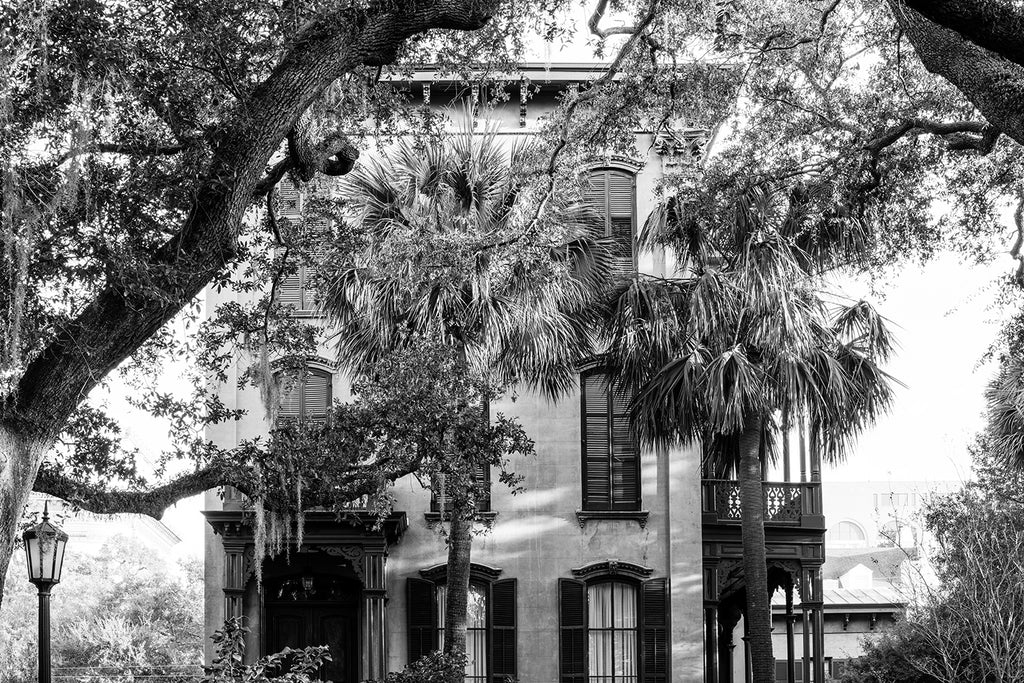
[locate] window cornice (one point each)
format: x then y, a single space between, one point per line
479 572
613 569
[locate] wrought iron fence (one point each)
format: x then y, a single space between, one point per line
184 673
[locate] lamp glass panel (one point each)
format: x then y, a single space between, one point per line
32 556
58 562
47 548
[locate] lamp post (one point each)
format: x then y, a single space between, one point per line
44 550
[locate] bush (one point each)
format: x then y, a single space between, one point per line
433 668
287 666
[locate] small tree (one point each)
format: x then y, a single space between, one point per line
968 624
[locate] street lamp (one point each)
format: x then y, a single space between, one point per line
44 550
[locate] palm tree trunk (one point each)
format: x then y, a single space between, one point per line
460 546
755 563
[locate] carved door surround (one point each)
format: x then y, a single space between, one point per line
352 545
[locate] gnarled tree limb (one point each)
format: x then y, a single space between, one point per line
993 83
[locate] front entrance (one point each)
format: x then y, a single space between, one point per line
306 608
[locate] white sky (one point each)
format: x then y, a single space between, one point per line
944 321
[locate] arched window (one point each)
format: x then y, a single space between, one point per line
306 398
611 463
613 627
491 617
613 193
847 534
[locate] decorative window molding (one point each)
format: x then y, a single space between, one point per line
485 518
613 569
619 162
477 572
681 149
638 516
313 362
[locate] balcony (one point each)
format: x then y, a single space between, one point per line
786 504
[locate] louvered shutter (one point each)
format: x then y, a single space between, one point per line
654 631
317 234
289 198
421 615
572 626
482 477
503 630
290 406
596 193
596 443
620 220
316 396
625 493
289 290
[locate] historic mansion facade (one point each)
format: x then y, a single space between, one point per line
616 564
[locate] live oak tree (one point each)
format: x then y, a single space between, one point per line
135 141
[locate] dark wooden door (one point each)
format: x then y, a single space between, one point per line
302 625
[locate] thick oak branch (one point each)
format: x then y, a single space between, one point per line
994 84
993 24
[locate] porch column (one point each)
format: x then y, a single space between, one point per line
373 628
818 614
790 644
711 641
806 628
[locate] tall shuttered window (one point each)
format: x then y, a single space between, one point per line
306 398
611 462
613 631
613 194
296 290
491 636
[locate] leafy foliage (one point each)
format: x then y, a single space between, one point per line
966 625
122 607
435 667
290 665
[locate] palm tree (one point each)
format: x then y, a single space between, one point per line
718 355
452 255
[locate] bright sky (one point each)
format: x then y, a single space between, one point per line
944 320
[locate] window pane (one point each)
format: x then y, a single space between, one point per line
476 634
612 633
600 598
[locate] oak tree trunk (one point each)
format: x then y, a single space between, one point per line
19 460
755 562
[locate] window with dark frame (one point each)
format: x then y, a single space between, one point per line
613 193
611 462
613 629
306 398
491 641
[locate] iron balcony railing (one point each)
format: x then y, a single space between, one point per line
785 503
